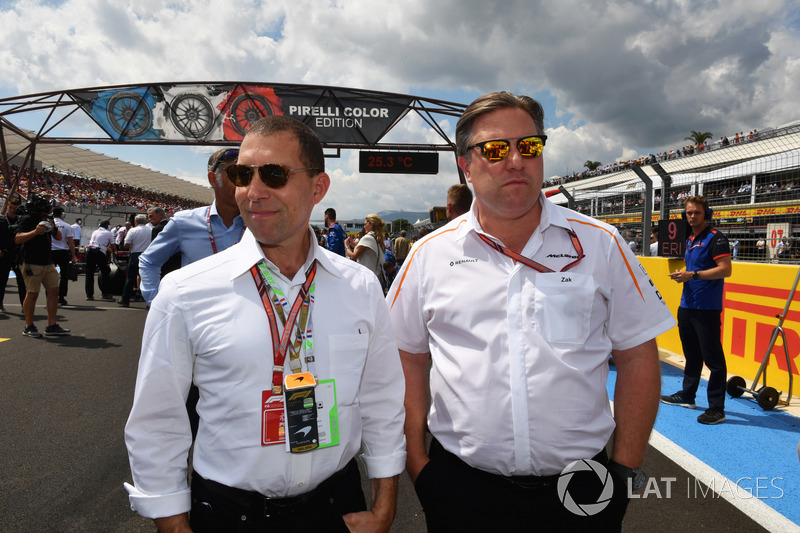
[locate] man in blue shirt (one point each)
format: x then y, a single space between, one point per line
708 263
196 233
336 235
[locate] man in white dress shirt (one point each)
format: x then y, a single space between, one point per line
269 456
518 303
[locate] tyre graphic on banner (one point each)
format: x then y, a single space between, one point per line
243 106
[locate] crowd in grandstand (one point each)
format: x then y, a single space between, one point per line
649 159
70 190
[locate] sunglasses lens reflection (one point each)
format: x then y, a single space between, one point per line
531 147
495 150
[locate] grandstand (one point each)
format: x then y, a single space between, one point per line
753 186
71 160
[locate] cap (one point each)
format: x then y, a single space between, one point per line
221 156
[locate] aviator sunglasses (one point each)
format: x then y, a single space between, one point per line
273 175
498 149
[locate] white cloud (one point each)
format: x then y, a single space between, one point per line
618 78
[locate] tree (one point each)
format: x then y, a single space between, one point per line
592 165
699 138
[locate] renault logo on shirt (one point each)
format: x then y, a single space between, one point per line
462 261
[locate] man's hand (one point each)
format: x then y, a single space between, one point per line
380 517
173 524
681 276
415 370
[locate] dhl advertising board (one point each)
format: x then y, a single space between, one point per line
754 294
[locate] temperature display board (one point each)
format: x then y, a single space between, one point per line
399 162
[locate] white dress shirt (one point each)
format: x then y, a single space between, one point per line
138 238
66 232
102 239
520 358
208 324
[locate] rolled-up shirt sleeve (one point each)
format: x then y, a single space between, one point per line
158 434
381 397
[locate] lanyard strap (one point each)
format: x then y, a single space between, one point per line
211 233
576 243
274 302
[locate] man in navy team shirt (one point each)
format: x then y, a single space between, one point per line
336 235
708 262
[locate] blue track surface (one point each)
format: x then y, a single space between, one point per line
752 443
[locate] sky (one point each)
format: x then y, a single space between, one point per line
617 79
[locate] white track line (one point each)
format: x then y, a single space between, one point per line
753 507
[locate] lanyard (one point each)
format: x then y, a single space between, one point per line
274 302
211 233
576 243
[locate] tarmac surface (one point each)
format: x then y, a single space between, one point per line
65 401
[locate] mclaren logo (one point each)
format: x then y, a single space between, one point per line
304 430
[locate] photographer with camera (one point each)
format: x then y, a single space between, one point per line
34 231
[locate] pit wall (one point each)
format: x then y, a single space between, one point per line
754 294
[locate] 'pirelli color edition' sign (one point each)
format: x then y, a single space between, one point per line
211 112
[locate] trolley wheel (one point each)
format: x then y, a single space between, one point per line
767 398
128 114
248 108
192 115
736 386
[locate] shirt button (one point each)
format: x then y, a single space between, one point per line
300 484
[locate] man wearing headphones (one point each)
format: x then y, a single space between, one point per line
708 263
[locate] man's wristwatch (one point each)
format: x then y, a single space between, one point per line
636 475
696 275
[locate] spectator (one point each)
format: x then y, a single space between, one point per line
400 247
196 233
136 242
370 251
336 235
8 251
459 199
100 244
63 252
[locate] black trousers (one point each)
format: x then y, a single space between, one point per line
130 280
97 259
457 497
699 330
7 264
217 508
61 260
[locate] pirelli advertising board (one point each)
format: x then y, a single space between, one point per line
224 112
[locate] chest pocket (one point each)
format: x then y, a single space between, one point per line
348 356
563 306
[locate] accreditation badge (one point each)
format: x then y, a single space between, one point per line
273 419
301 412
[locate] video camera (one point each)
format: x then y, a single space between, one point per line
36 205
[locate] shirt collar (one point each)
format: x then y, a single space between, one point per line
551 216
248 253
